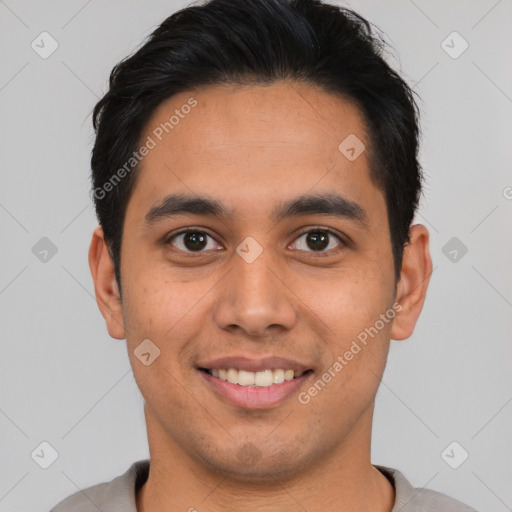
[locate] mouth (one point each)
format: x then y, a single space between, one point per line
260 379
258 385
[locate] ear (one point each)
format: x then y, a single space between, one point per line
413 283
105 285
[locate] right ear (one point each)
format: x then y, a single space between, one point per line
105 285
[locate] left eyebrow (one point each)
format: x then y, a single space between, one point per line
321 204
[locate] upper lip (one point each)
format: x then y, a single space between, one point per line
254 365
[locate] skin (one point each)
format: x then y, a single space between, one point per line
252 147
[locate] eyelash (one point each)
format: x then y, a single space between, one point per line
343 243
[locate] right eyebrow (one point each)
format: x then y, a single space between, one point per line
183 204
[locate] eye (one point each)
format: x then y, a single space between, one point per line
317 240
192 241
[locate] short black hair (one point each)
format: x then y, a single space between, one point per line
259 42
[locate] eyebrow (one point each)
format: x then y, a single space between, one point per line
320 204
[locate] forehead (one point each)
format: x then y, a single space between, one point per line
255 145
234 117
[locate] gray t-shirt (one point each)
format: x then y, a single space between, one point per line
119 494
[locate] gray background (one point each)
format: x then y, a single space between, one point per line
65 381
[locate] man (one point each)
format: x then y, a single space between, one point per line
255 177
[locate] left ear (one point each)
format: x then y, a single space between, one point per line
413 283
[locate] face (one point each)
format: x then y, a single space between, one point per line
274 254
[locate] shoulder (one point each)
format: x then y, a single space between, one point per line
411 499
113 496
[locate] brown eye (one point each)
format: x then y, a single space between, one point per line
192 241
317 240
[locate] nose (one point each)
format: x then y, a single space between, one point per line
255 298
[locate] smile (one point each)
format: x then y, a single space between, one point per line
264 378
254 390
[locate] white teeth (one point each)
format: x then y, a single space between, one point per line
278 376
232 376
262 379
245 378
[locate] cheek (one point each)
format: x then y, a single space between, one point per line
358 312
354 362
155 305
169 314
352 301
166 314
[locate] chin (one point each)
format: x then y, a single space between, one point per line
252 465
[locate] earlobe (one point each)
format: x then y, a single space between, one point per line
413 284
105 285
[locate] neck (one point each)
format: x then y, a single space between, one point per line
345 480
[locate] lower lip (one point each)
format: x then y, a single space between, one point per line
254 397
